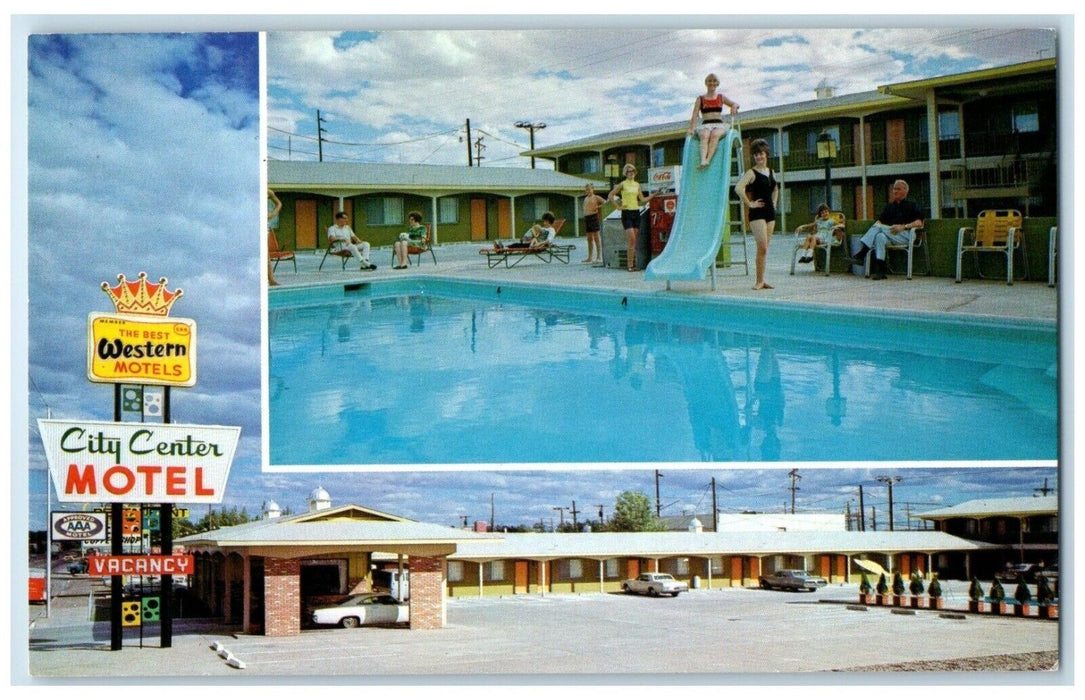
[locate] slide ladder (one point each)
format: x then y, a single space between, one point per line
703 213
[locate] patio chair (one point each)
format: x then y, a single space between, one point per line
838 217
1052 243
418 250
918 242
997 231
277 255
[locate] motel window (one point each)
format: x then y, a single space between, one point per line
384 211
532 208
611 570
455 571
590 164
949 126
448 210
658 158
495 571
576 569
323 577
681 567
717 565
1026 118
775 145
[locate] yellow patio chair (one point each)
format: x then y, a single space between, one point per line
838 218
997 231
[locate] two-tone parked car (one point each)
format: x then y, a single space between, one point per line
792 580
366 609
654 584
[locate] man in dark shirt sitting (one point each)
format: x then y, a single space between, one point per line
896 224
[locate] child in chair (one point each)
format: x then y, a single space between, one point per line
820 229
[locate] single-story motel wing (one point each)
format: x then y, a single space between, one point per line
266 576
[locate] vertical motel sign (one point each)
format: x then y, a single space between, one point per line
118 463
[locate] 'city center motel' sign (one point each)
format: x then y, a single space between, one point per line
108 462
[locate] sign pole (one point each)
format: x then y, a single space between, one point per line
165 525
116 621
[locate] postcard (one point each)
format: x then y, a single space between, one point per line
491 352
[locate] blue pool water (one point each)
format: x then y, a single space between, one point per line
446 372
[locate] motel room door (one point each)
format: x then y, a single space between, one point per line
479 228
520 577
504 219
305 224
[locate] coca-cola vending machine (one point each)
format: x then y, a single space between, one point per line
662 207
661 217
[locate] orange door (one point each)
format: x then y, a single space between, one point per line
894 141
519 583
504 218
305 224
478 220
860 212
632 568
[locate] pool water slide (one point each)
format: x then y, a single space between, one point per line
702 214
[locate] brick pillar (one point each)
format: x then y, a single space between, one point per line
282 597
427 593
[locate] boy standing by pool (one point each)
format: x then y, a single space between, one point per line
593 206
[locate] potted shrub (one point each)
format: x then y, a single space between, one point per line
1021 597
882 589
865 596
898 589
915 586
1045 599
998 598
975 596
934 592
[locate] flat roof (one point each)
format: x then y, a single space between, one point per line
990 507
354 178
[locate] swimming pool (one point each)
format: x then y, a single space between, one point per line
449 372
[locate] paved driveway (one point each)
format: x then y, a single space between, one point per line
702 632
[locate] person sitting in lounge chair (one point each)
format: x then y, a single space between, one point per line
538 236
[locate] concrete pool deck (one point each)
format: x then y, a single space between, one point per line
1032 300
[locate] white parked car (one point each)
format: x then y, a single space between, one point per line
654 584
367 609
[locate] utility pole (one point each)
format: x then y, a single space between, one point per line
889 481
862 511
491 512
715 508
600 506
561 514
531 127
574 511
847 516
1044 490
794 474
873 518
479 148
658 477
319 136
469 143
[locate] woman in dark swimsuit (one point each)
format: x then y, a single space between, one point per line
759 191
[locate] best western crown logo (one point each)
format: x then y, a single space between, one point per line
141 297
141 344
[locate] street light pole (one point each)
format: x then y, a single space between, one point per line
889 481
531 127
827 153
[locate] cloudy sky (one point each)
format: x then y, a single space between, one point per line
403 96
143 155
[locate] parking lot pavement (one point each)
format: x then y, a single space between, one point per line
702 632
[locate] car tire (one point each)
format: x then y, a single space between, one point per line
653 592
350 622
625 589
675 594
764 584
